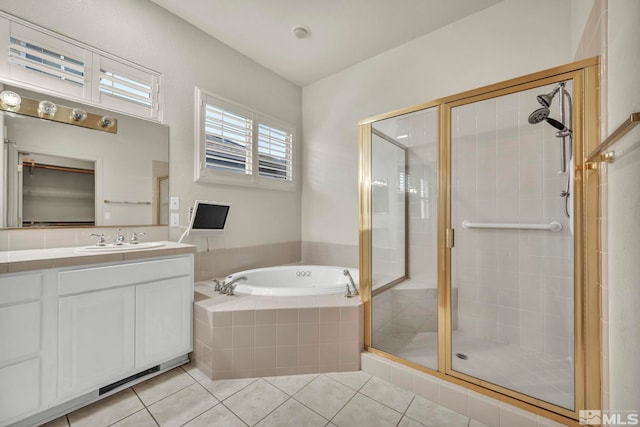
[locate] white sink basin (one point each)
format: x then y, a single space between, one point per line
117 248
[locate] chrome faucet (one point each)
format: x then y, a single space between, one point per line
101 241
227 287
216 286
134 239
353 285
119 241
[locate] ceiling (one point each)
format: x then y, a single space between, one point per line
342 32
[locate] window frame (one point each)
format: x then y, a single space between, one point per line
253 179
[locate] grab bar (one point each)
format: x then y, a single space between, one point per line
552 226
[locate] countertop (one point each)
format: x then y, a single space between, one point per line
38 259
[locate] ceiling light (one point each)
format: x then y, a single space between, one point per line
47 108
403 136
300 31
10 99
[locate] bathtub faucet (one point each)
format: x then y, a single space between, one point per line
353 285
227 287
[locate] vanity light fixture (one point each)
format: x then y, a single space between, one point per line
78 115
47 108
107 122
10 99
300 31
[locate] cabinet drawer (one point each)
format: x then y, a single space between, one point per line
19 331
91 279
16 288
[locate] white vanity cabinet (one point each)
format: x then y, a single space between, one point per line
95 339
20 344
68 335
116 320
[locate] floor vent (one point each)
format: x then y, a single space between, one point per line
108 388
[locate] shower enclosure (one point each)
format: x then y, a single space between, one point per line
474 248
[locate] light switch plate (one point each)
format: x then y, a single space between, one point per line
175 219
174 203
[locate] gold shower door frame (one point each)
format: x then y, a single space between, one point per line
585 77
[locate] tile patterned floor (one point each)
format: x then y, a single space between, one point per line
184 396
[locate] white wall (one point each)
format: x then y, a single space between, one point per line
147 34
624 204
501 42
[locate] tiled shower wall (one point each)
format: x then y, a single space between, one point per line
514 286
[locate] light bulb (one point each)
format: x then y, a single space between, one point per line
10 99
78 115
107 122
47 108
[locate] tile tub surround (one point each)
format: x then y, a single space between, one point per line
481 409
247 336
185 396
221 262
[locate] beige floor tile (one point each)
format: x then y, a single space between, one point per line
408 422
325 396
434 415
107 411
219 415
290 384
182 406
254 402
222 389
355 380
363 411
58 422
388 394
159 387
196 374
139 419
475 423
293 413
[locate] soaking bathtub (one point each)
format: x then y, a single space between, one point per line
284 320
294 280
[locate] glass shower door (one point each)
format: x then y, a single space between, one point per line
514 323
404 313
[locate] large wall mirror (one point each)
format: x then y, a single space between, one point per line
57 175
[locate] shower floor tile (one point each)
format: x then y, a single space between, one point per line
529 372
256 402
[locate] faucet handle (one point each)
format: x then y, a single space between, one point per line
134 239
100 236
119 238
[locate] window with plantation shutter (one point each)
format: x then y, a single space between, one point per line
239 146
53 63
274 152
38 59
227 138
127 88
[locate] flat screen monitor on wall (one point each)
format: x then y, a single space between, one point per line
207 218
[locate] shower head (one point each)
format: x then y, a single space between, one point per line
539 115
546 99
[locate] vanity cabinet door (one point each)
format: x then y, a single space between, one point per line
163 320
96 339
